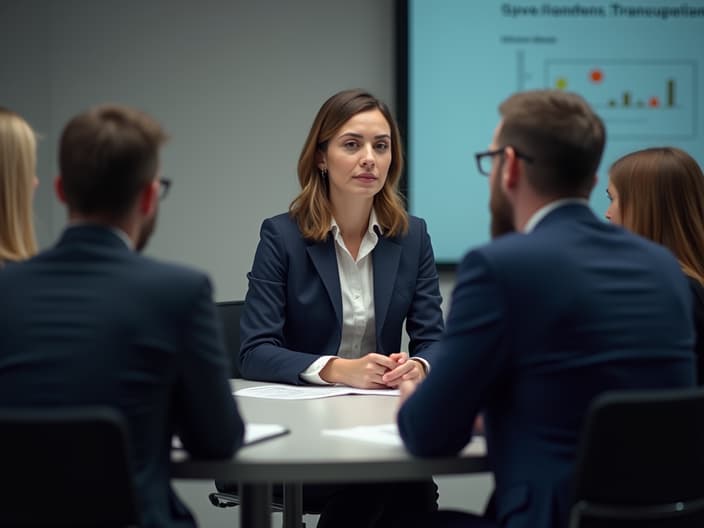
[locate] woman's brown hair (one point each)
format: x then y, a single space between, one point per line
312 208
661 197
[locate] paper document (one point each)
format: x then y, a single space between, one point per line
253 433
307 392
256 432
379 434
387 434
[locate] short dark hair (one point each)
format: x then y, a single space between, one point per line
561 132
106 156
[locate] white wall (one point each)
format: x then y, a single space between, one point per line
235 82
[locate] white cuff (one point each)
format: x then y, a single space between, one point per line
424 362
312 373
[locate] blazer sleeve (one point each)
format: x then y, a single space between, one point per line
439 416
263 355
208 421
424 322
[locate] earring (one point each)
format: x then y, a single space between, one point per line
323 173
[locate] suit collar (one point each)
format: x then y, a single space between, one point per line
385 261
573 210
93 234
544 211
323 256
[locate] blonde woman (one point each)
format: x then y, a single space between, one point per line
17 183
658 193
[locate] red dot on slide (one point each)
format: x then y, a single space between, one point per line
654 102
596 76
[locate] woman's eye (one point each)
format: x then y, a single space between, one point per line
350 144
382 147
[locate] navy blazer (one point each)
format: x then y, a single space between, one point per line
293 308
92 322
540 323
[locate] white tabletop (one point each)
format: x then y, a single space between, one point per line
306 455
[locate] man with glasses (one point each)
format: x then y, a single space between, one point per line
544 319
91 321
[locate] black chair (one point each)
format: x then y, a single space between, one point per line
641 462
227 494
66 467
230 312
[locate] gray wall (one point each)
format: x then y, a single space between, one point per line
236 83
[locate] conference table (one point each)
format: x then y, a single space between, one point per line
308 454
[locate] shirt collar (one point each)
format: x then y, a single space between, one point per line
549 208
372 228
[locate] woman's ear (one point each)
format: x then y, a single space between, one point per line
321 160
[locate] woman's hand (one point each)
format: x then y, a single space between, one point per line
406 369
366 372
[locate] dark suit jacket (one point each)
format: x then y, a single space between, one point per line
540 323
92 322
698 293
293 308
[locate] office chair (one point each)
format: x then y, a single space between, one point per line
641 461
227 494
66 467
229 313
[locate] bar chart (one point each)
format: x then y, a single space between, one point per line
636 98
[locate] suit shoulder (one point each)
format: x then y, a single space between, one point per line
416 224
416 229
283 223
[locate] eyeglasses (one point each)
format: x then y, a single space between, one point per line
485 159
164 186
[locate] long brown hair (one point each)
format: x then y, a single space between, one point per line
18 165
661 197
312 208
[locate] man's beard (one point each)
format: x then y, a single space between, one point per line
501 210
145 233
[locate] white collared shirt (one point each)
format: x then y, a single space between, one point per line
357 289
549 208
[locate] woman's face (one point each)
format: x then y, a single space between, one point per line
613 213
358 157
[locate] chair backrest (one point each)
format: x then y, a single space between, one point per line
641 461
230 312
66 467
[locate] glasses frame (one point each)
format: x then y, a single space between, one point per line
479 156
164 186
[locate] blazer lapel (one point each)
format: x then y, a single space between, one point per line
385 260
323 256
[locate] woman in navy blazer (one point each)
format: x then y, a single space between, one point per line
349 171
334 279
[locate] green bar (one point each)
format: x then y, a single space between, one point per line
626 99
670 93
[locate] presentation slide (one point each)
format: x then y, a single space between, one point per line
638 63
